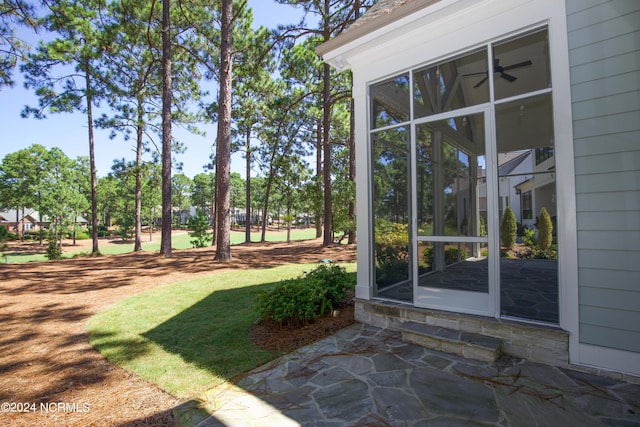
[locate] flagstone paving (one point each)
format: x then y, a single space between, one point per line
366 376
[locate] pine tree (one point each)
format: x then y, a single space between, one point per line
80 44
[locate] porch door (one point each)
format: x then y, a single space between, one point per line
452 260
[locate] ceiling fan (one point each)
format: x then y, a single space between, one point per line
497 68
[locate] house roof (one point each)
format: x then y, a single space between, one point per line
507 162
32 214
379 15
10 215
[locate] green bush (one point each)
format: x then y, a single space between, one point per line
199 225
82 235
391 252
545 230
391 271
451 255
537 253
54 251
392 243
529 236
334 279
305 298
508 229
125 232
103 231
5 235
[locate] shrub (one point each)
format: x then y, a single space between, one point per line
199 225
292 301
392 243
125 232
508 229
392 253
451 255
305 298
529 236
392 271
5 235
537 253
545 230
82 235
334 279
103 231
54 251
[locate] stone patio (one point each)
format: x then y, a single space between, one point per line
366 376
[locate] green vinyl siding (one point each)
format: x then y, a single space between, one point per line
627 182
613 85
624 142
613 104
604 55
622 162
608 240
619 339
608 259
602 278
607 201
625 221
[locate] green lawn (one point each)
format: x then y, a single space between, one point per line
178 241
192 336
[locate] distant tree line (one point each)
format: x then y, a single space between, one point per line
144 66
58 187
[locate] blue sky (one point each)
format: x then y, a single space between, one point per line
69 131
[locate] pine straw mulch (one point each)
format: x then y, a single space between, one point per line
45 356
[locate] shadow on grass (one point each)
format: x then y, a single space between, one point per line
191 340
185 340
213 334
118 349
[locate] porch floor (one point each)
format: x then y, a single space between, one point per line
529 286
365 375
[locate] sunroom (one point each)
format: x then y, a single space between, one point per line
470 111
461 114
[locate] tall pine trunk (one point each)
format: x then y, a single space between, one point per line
326 140
267 194
165 244
138 214
92 161
223 148
247 219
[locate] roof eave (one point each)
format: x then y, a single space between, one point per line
376 23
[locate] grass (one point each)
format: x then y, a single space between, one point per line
192 336
178 241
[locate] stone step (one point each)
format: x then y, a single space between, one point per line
465 344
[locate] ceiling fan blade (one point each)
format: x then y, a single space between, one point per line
508 77
480 82
518 65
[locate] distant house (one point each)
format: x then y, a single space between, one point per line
444 91
15 221
514 168
28 220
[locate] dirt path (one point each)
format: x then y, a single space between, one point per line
47 367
